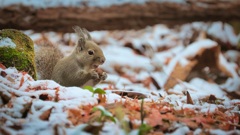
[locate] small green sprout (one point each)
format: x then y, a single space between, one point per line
94 91
105 114
144 128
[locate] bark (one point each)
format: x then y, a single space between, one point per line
127 16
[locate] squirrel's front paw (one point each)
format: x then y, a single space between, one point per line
94 75
103 76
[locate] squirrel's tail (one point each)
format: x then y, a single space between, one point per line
46 57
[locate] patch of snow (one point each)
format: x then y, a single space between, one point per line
30 92
97 36
193 48
222 132
124 57
112 97
197 131
111 128
7 42
188 52
199 88
180 131
232 83
224 32
162 57
232 55
118 81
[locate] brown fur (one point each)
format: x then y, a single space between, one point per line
80 67
46 58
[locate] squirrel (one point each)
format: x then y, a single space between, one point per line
80 68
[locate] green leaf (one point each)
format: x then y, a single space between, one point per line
103 110
105 113
100 91
113 119
90 88
144 129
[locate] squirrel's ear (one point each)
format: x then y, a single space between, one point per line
85 31
78 31
81 43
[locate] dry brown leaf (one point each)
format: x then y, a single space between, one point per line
93 129
59 130
189 99
45 97
9 78
179 72
2 66
147 82
154 118
57 94
212 99
130 94
5 98
190 123
46 114
75 116
102 98
21 82
3 74
26 109
204 58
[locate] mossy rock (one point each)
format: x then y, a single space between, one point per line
17 50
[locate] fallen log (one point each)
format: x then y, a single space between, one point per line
125 16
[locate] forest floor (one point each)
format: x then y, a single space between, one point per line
182 80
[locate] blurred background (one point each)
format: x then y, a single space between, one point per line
61 15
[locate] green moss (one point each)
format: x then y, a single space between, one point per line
21 57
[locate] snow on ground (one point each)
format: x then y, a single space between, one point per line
219 30
133 60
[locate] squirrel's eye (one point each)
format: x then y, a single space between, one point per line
90 52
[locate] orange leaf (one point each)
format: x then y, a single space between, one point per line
154 118
57 94
21 82
46 114
2 66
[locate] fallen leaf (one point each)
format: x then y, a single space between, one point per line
130 94
212 99
102 98
189 99
46 114
2 66
3 74
57 94
12 80
26 109
21 82
4 97
154 118
75 116
93 128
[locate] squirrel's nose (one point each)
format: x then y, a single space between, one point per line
102 60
